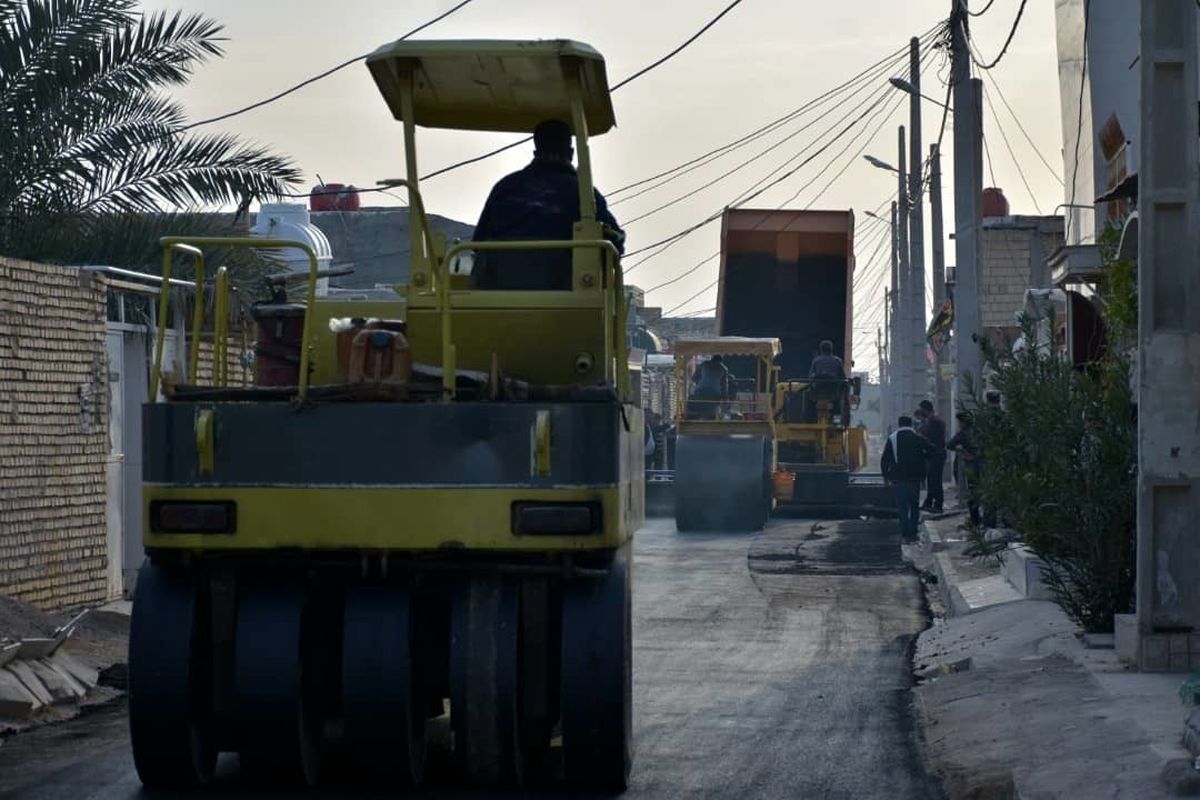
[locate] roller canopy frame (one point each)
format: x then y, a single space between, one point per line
493 85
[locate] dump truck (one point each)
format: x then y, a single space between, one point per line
789 274
423 506
725 450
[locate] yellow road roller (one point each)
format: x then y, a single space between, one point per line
422 506
725 450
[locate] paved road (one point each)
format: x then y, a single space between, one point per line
768 666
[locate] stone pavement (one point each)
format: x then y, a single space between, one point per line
1014 702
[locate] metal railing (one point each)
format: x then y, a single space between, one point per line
191 245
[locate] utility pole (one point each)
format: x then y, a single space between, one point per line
885 368
941 387
904 348
968 191
881 351
1168 570
895 351
916 237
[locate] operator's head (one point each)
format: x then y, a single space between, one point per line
552 141
993 397
826 347
716 359
906 421
926 407
964 419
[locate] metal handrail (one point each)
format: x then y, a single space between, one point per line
221 328
191 245
442 286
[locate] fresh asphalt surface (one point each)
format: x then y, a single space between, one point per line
765 666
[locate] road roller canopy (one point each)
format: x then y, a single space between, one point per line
728 346
493 85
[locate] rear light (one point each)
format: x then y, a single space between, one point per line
556 519
171 516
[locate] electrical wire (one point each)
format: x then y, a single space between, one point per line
887 63
1083 67
678 49
1025 132
1012 32
684 274
983 10
658 63
987 151
758 188
315 78
752 159
1004 136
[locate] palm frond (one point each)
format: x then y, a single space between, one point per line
187 171
44 38
90 149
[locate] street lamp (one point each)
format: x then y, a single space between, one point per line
875 162
908 88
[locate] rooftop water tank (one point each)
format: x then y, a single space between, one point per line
291 221
333 197
995 204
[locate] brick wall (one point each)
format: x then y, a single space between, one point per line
53 435
1006 270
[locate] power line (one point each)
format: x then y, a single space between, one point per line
983 10
626 81
758 188
1083 67
754 158
1012 32
684 274
680 48
1004 136
988 152
315 78
1028 138
885 63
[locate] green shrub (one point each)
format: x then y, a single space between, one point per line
1059 462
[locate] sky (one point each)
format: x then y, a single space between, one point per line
762 60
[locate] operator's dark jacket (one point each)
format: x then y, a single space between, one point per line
830 367
540 202
905 456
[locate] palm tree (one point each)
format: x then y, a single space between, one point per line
93 151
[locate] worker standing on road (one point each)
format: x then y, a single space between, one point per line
963 444
904 466
933 428
537 203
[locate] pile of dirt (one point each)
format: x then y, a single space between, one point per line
22 621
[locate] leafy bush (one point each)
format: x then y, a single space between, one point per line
1059 461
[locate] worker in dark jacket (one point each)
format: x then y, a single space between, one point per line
904 465
537 203
711 385
933 428
964 446
826 365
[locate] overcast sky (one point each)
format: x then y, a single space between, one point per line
762 60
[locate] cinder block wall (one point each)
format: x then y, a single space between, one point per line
53 434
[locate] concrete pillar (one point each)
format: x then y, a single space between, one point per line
1168 541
